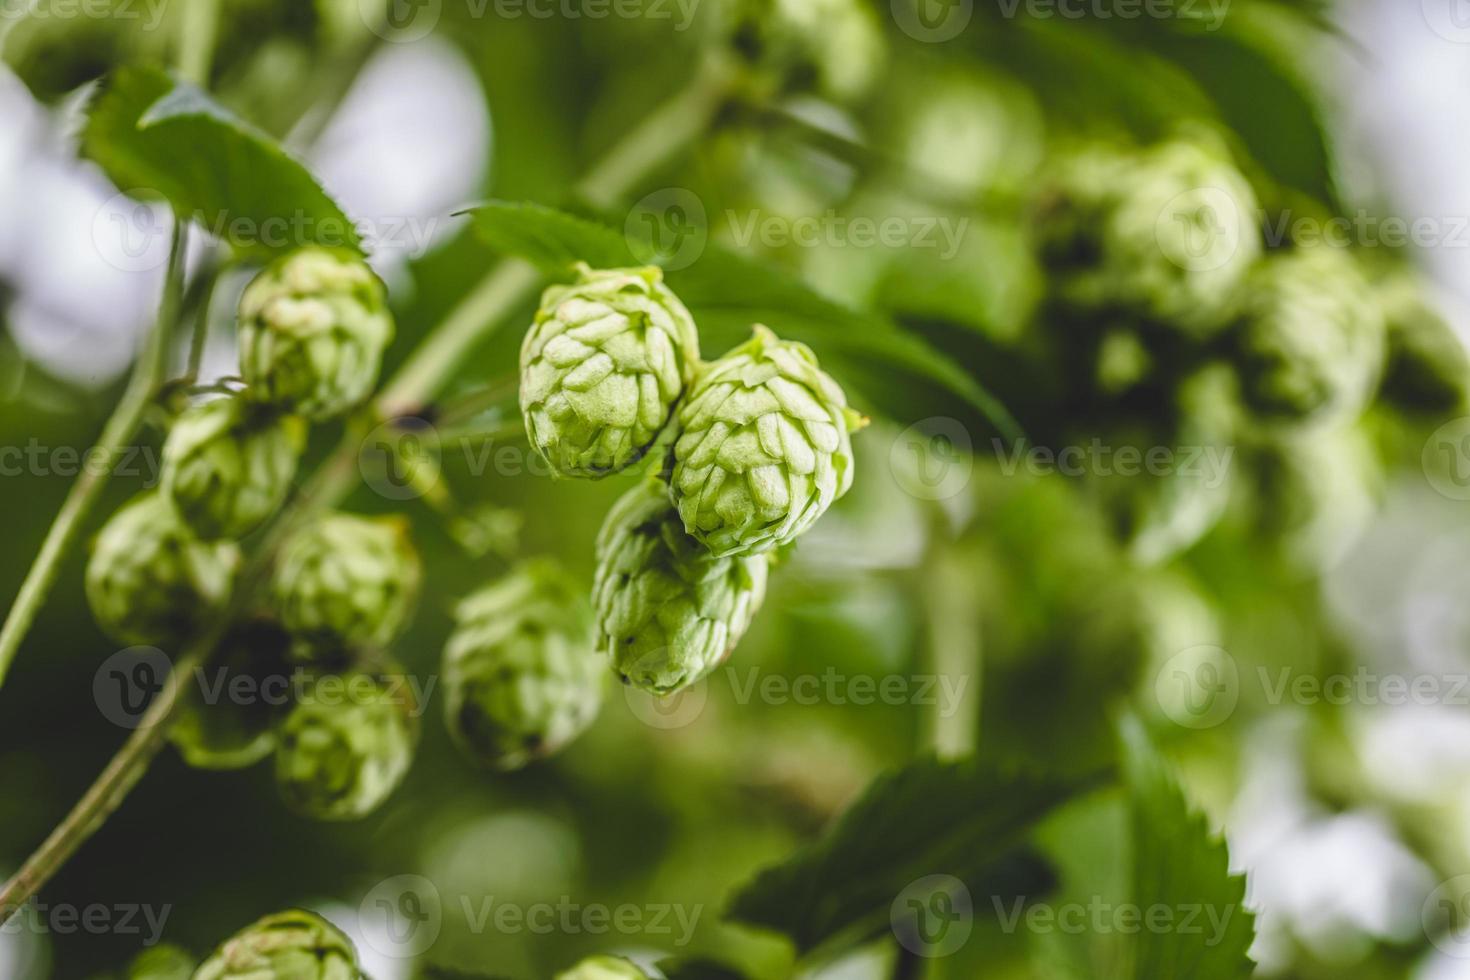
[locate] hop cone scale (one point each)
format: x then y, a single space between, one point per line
292 945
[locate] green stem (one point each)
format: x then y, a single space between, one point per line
146 380
198 27
955 651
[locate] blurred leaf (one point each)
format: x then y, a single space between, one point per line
553 241
1178 863
694 968
155 136
933 817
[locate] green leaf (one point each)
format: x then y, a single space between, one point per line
933 817
698 968
553 241
1180 865
157 137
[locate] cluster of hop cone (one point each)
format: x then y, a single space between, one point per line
744 454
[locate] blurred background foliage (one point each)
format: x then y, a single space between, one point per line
1060 600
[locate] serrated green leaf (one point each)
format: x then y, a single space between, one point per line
930 818
1180 865
553 241
157 137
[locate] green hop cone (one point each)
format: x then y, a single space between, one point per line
227 719
162 963
603 968
1311 344
228 464
150 580
763 448
521 670
602 367
347 744
291 945
1428 369
668 611
1168 233
346 582
313 328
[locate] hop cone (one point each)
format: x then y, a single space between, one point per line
228 718
602 367
346 745
1312 343
1167 233
149 580
227 465
292 945
521 670
162 963
668 611
1428 369
313 328
347 582
603 968
763 449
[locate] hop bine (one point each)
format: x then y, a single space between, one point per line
291 945
668 611
347 745
228 464
346 582
150 580
313 328
601 369
521 670
763 448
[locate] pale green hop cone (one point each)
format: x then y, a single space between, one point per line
1312 342
313 328
346 745
522 673
150 580
228 464
163 962
763 448
291 945
603 968
345 582
602 367
668 611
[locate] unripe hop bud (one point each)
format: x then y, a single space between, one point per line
150 580
291 945
521 671
228 464
217 728
345 582
603 968
763 447
601 369
313 328
346 745
668 611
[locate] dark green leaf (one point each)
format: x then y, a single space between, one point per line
553 241
961 819
156 137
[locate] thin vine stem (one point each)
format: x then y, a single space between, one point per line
667 130
198 28
143 386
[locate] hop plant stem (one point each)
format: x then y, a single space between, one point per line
665 131
147 379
